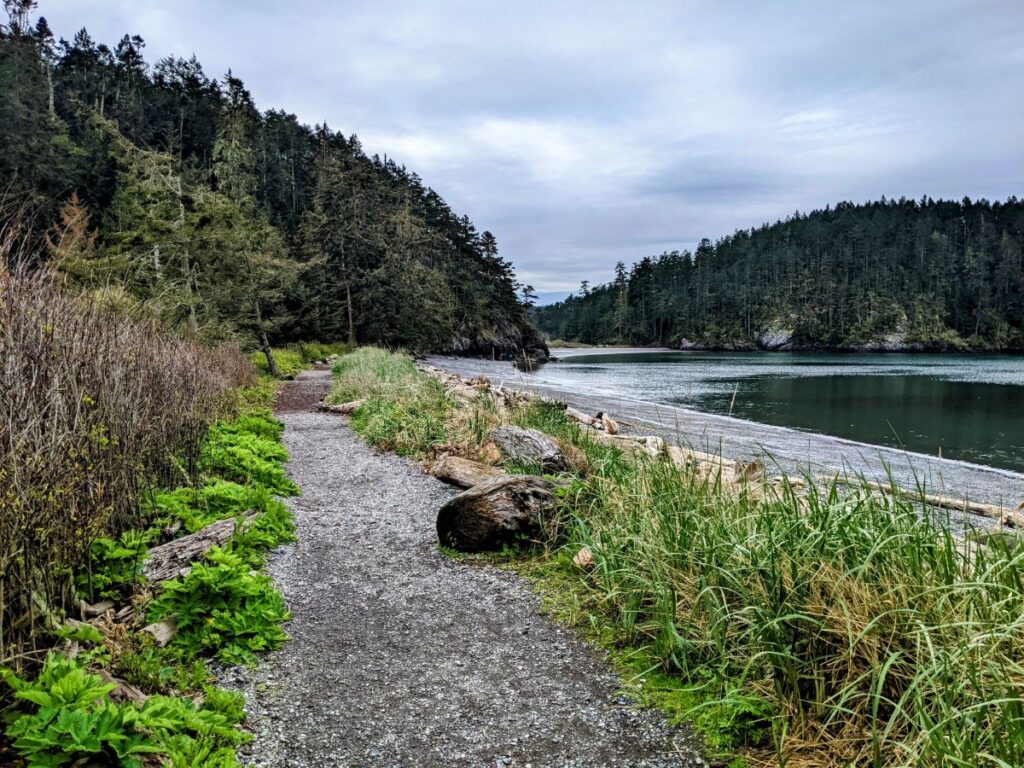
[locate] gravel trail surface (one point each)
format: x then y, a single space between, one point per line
400 656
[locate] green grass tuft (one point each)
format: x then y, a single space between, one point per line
404 412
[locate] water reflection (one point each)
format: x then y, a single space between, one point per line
969 408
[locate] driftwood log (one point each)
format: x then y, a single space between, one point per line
346 409
123 691
498 512
463 472
175 558
528 446
1005 515
713 466
578 415
600 421
651 445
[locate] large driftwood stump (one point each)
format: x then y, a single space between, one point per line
528 446
498 512
463 472
175 558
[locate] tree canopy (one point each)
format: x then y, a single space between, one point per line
231 221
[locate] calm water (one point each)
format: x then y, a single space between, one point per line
967 408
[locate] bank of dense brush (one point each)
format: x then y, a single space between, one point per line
70 709
832 628
95 408
116 437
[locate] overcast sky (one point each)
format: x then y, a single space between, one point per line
582 133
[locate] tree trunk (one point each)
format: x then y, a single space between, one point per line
269 354
351 323
49 88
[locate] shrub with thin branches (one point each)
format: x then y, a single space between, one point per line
96 407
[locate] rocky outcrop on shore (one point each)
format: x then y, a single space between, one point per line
505 341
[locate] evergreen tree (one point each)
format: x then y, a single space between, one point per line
915 274
232 223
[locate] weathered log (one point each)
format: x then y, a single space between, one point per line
1005 515
684 458
610 425
463 472
162 631
624 443
529 446
652 445
175 558
123 691
601 421
498 512
346 409
579 416
88 611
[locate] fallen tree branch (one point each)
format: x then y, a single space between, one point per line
175 558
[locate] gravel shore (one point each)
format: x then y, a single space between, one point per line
400 656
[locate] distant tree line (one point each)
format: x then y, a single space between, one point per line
891 274
162 184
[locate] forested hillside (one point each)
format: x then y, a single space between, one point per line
163 184
887 275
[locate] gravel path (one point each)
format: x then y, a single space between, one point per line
401 657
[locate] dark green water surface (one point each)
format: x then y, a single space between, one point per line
964 407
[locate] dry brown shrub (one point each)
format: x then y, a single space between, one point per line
96 407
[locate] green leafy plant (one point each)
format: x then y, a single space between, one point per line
218 499
258 421
275 525
246 458
197 508
223 609
115 565
151 668
71 720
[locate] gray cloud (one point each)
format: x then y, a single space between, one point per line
583 133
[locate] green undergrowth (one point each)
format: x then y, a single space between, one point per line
73 721
295 357
224 609
813 625
404 412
